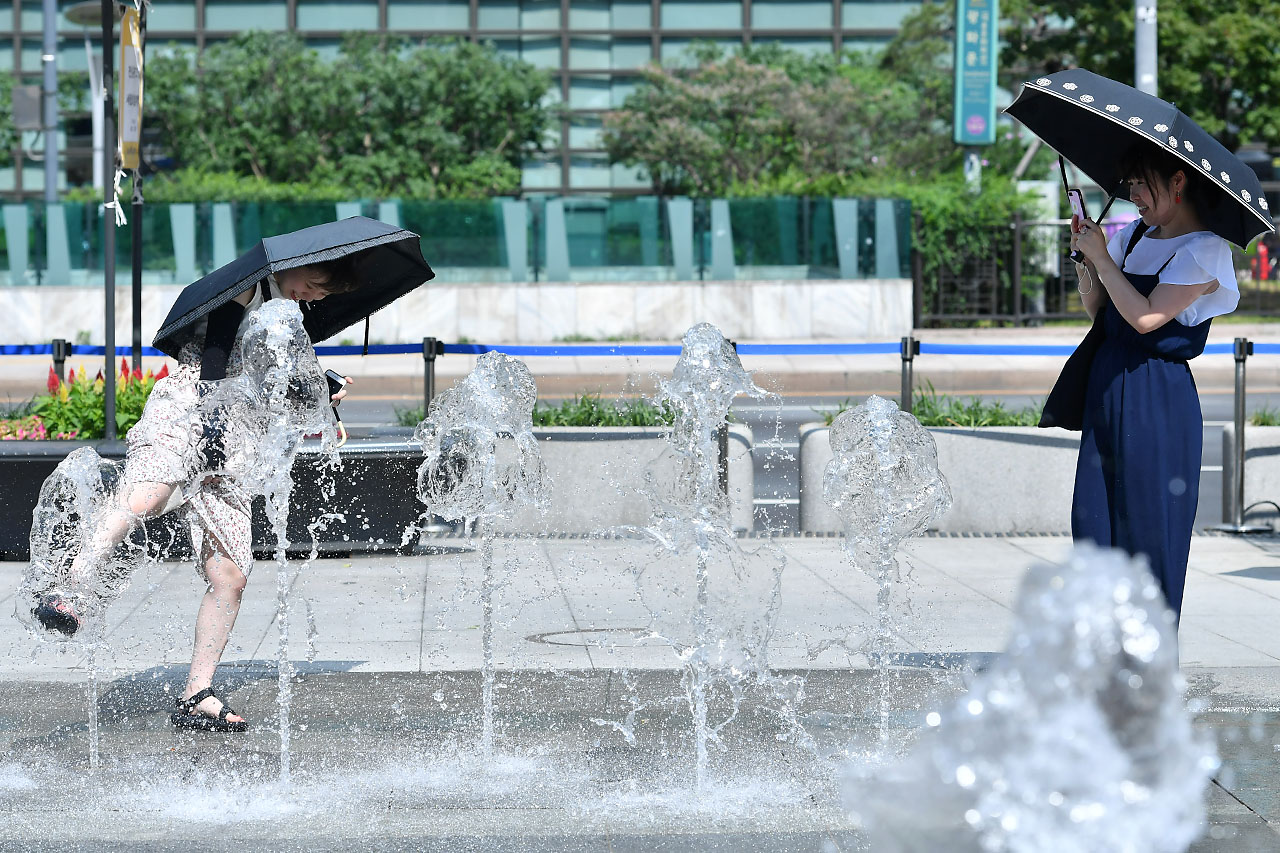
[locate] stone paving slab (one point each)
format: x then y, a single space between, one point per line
385 706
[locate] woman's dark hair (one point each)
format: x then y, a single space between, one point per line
1157 167
339 275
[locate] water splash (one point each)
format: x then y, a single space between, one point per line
713 601
1076 739
482 462
280 398
884 484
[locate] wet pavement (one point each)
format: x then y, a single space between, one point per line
594 749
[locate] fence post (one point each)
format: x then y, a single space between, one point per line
1017 269
430 349
1242 350
910 348
61 349
722 447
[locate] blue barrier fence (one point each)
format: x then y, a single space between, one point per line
580 350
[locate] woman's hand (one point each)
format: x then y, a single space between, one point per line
337 398
1089 238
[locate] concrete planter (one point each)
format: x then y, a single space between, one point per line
375 492
1003 479
598 476
595 473
1261 473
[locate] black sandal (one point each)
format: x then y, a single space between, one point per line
57 614
188 716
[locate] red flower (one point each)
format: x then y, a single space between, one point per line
137 373
52 382
164 371
99 376
124 367
71 376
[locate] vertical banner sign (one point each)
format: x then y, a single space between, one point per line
130 118
976 52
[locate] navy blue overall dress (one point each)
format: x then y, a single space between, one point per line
1138 475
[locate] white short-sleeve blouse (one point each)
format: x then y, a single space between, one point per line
1198 257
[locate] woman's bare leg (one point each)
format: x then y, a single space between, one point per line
140 501
216 618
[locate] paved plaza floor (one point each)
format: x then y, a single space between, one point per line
593 748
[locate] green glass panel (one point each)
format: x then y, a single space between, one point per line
630 53
541 51
588 53
589 93
807 46
6 22
166 16
875 15
673 51
540 15
231 15
462 233
498 15
632 15
327 15
541 174
430 15
701 14
589 15
791 14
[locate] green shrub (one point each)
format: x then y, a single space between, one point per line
76 408
941 410
587 410
1265 416
590 411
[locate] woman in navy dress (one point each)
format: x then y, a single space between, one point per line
1158 284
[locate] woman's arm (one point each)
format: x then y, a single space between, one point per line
1145 314
1148 313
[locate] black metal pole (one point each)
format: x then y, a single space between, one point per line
430 349
910 348
109 218
1242 349
135 229
722 447
60 352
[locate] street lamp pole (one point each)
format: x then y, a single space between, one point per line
49 67
109 216
1144 46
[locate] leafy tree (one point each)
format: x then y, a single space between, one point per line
386 119
767 112
1216 58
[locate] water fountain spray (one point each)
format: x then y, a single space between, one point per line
482 463
1076 739
884 484
714 602
279 398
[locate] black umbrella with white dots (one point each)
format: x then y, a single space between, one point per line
1092 121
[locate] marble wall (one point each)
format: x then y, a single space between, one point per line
861 309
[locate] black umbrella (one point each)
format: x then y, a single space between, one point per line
1092 121
388 263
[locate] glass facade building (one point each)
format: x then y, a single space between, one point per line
594 49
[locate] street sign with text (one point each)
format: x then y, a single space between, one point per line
975 61
130 118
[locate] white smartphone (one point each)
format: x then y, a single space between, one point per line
1076 197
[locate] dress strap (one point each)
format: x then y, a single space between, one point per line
1133 241
265 289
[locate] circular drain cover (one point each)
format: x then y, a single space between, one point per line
600 638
